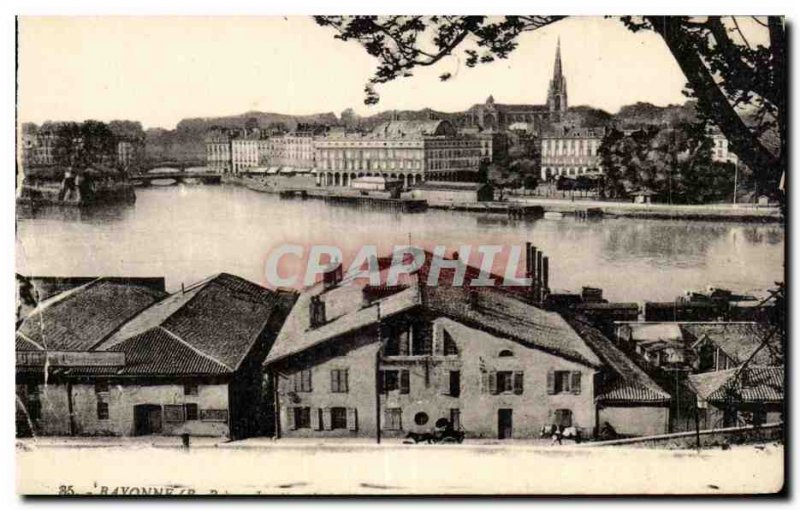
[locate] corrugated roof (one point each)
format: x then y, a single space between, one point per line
633 384
755 384
83 317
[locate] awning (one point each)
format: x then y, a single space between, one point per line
302 170
273 170
287 170
258 170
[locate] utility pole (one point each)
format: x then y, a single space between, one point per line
378 382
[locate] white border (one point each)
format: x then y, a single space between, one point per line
286 7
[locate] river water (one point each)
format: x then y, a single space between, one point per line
188 232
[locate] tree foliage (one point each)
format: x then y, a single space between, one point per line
674 163
726 74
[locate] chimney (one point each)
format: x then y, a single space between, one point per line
316 312
332 275
545 277
473 299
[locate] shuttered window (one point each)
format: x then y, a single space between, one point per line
563 381
338 418
393 419
302 381
302 418
392 380
339 382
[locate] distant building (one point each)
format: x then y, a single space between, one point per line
447 193
247 150
753 395
38 145
295 150
570 152
411 151
218 150
720 152
536 118
130 153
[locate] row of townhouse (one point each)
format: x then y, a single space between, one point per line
408 151
227 357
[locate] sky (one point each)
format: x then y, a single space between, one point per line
159 70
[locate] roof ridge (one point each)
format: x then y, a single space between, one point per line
190 346
25 337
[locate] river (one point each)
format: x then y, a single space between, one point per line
188 232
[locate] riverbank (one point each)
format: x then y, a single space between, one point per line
708 212
745 213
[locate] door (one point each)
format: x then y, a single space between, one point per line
147 419
504 424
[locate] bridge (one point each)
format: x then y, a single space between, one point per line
172 178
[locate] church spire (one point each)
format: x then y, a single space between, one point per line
557 94
557 68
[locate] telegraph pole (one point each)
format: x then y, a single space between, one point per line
378 385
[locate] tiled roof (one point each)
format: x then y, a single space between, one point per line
632 385
157 352
407 128
217 321
495 311
81 318
738 340
755 384
506 316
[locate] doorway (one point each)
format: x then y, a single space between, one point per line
504 424
147 419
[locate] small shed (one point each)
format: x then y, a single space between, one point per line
377 183
643 196
446 193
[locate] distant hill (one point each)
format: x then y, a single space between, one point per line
187 141
646 114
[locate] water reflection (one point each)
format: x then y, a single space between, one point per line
187 232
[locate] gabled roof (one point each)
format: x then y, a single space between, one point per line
755 384
492 310
83 317
218 320
739 340
633 385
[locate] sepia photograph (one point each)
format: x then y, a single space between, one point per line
439 255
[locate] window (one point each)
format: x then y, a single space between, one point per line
393 380
339 380
455 418
302 381
338 418
101 387
505 353
302 417
102 410
450 348
393 419
421 418
505 381
455 383
563 381
190 389
191 412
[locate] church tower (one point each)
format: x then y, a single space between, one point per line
557 94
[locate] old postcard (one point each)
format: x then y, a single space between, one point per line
438 255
